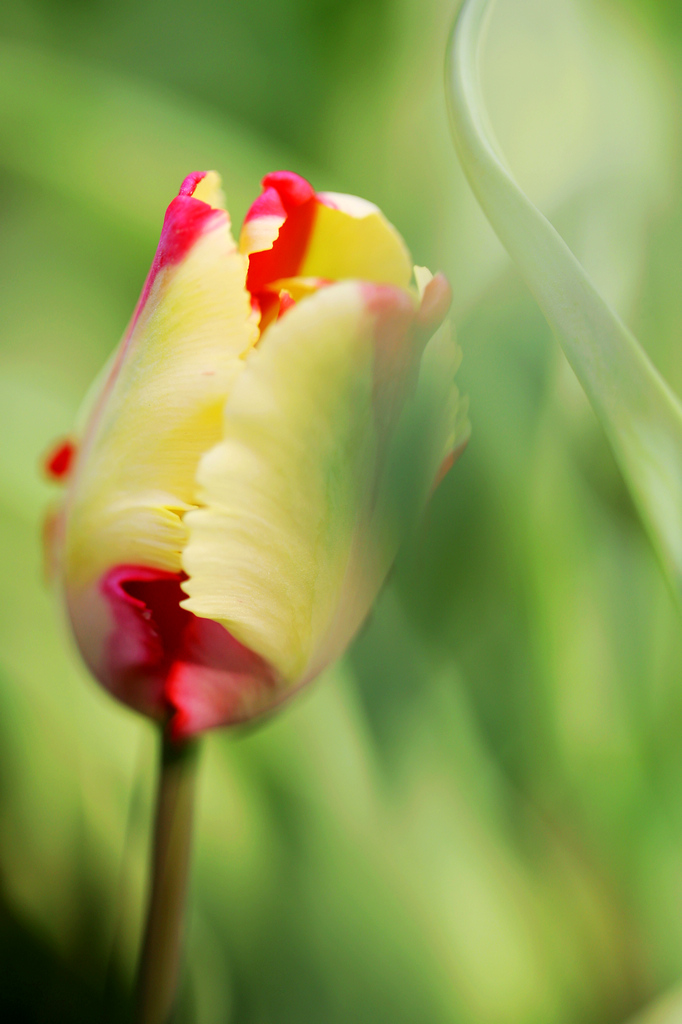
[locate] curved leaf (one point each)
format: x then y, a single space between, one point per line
640 414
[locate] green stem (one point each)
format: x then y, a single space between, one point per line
160 956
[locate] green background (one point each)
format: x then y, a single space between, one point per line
477 817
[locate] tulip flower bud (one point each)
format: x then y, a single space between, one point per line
232 497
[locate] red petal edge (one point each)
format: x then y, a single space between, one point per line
59 460
291 196
185 221
165 661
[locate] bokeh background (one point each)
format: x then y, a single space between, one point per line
477 817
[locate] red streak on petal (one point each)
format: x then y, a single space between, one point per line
447 464
286 256
286 301
186 220
283 192
286 195
292 189
444 468
268 305
59 461
191 182
215 680
136 660
436 302
268 204
163 660
272 305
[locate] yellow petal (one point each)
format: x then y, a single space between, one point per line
343 245
290 232
209 189
161 406
290 549
259 233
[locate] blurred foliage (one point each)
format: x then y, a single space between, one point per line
477 818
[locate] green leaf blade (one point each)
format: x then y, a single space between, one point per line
640 414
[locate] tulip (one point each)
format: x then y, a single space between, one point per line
233 498
271 424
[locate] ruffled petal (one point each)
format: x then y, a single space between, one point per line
294 538
291 231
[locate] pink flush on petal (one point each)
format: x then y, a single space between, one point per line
215 680
395 337
165 661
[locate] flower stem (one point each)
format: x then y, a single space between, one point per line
160 956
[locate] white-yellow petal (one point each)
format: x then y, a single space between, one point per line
161 405
295 534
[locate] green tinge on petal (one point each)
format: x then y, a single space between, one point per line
295 538
639 412
267 555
